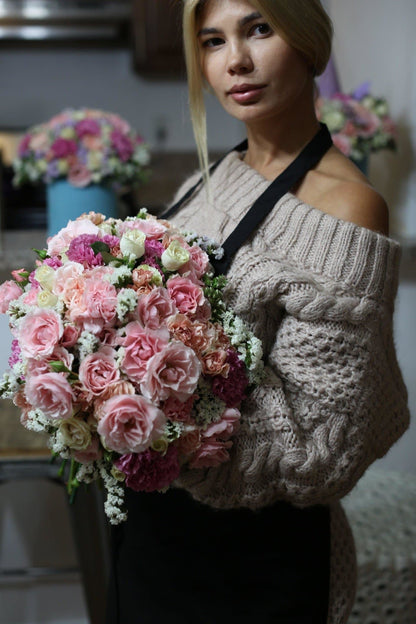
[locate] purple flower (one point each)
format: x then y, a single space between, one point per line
63 147
122 144
88 126
231 389
52 171
33 280
15 355
362 91
149 471
111 241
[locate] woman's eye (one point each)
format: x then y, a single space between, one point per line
212 43
261 29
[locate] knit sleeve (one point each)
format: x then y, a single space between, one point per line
333 400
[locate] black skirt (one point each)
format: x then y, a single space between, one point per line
178 561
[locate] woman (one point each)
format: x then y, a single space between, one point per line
262 537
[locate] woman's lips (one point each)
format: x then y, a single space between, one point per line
245 93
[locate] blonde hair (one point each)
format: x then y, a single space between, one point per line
303 24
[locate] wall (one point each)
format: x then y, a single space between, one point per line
39 83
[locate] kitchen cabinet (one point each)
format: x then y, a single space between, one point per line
157 39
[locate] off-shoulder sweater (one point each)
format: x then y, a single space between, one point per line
319 292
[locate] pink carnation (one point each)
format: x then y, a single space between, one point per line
122 144
129 423
80 250
150 471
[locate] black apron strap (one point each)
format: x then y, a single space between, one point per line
306 160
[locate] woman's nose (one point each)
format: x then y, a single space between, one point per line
239 61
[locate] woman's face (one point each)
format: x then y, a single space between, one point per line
253 72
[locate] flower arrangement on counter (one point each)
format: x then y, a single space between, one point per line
84 146
125 354
359 122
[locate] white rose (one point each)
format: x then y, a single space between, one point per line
45 275
174 256
132 243
75 433
46 299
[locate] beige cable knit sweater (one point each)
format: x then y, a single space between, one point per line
319 292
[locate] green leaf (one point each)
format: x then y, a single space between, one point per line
59 367
100 247
41 253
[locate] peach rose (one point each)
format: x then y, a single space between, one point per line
39 333
210 454
175 371
9 291
130 423
51 393
198 336
98 370
154 308
69 282
215 363
140 345
179 410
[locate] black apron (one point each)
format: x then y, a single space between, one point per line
182 562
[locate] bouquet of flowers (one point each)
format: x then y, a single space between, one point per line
359 123
125 354
86 146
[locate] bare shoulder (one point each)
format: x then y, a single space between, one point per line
340 189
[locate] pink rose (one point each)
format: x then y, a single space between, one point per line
189 443
175 371
70 335
61 241
140 345
9 291
154 308
51 393
198 262
187 296
130 423
210 454
151 227
39 333
226 427
40 366
98 370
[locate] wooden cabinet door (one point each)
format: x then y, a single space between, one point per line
157 38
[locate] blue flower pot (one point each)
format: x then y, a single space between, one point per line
66 202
